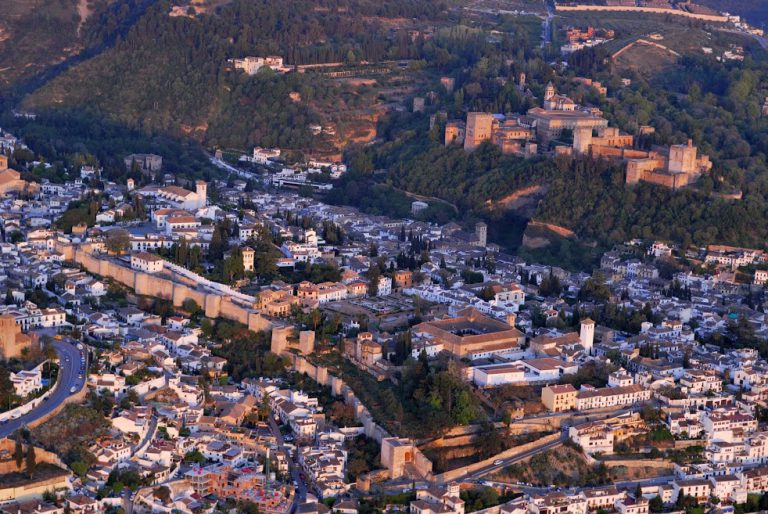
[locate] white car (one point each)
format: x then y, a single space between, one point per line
498 462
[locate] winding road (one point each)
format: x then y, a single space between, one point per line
546 35
70 375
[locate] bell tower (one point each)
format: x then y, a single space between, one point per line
202 193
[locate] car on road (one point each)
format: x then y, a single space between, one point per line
498 462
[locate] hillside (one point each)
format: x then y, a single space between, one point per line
672 37
171 72
41 38
35 34
716 104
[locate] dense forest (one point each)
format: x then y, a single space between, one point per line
716 105
587 196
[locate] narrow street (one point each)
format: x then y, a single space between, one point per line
293 467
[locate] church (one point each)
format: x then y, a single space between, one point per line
179 197
10 180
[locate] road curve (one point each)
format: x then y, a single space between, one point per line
69 371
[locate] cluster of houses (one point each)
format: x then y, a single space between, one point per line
445 287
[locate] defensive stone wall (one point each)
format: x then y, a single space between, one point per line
373 430
643 10
220 301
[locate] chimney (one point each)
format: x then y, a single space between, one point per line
511 318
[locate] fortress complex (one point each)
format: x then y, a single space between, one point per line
681 166
675 167
514 134
508 133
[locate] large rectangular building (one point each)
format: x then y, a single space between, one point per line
471 333
551 123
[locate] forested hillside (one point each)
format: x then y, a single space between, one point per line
587 196
170 73
167 78
40 38
35 34
717 105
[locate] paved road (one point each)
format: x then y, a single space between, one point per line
293 468
511 460
762 41
546 34
69 377
563 436
147 437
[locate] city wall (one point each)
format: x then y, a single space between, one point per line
41 455
645 10
321 375
33 488
173 285
638 463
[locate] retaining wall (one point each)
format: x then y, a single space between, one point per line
644 10
455 474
